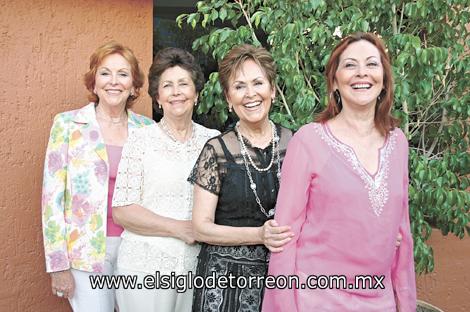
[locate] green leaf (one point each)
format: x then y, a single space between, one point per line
180 18
214 15
204 20
223 14
224 34
256 18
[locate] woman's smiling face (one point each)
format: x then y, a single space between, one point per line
113 81
177 92
360 74
250 93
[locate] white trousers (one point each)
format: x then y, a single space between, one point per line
87 299
148 300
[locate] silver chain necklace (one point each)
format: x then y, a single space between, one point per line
112 120
245 155
164 126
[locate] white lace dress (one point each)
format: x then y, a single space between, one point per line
152 173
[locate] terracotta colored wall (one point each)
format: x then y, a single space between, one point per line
448 287
44 51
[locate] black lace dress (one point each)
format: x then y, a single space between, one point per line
220 170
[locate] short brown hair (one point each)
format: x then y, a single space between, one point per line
384 121
113 47
235 58
171 57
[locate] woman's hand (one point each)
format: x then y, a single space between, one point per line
274 236
399 239
63 284
185 232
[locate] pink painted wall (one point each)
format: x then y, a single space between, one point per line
44 51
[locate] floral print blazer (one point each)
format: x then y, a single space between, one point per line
75 191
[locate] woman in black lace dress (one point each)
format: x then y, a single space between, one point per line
236 183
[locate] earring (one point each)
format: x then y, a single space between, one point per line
337 96
159 106
195 103
381 95
230 108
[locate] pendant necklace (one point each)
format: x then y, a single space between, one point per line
247 159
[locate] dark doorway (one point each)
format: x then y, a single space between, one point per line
166 33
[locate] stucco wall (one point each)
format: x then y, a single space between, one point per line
44 50
448 287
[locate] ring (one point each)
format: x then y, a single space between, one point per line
59 294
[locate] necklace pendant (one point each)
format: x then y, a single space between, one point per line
278 175
253 186
271 212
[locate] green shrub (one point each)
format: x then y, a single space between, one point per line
428 43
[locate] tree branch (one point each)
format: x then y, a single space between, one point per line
401 16
394 19
284 102
248 20
436 138
407 122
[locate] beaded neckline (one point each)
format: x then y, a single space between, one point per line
376 184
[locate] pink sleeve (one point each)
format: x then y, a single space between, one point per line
290 210
403 273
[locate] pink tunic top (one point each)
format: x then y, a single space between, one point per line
114 156
345 221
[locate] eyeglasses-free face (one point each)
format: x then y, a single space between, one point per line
250 94
113 81
360 74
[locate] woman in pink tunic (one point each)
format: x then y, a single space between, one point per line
344 192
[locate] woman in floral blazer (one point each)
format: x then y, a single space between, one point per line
80 238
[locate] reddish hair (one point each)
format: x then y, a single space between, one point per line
113 47
384 121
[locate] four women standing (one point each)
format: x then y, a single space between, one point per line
340 206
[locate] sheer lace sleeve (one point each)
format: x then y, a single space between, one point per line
206 170
129 181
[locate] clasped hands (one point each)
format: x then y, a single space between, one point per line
274 236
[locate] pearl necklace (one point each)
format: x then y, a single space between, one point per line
167 130
246 154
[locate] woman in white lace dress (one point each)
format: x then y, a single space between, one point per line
152 199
